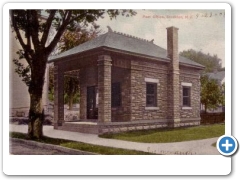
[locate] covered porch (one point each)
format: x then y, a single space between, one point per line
104 91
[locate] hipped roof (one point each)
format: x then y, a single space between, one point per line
125 43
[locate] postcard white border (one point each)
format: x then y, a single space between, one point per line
115 165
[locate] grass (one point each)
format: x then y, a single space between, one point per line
81 146
170 135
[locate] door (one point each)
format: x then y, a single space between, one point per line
92 110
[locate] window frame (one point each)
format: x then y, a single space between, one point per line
186 96
154 95
189 87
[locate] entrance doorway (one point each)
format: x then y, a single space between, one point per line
92 102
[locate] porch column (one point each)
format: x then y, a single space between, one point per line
83 94
79 78
104 88
58 96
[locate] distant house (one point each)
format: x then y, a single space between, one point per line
128 83
219 76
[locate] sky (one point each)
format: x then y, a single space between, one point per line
201 30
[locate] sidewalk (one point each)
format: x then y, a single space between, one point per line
198 147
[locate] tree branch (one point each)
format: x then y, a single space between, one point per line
26 48
59 33
65 15
47 27
73 19
16 29
35 29
28 31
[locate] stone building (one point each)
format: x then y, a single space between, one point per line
128 83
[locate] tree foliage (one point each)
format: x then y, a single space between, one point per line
211 63
222 101
32 29
51 82
81 34
71 90
212 94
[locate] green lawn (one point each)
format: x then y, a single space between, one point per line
171 135
81 146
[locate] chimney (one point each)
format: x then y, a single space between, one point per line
172 46
173 77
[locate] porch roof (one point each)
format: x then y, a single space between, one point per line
123 42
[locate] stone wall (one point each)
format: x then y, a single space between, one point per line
192 76
156 70
117 127
148 69
133 91
122 113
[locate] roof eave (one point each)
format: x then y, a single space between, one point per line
193 66
163 59
72 55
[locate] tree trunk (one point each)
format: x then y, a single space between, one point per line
36 113
36 117
205 108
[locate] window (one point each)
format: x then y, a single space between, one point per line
186 96
151 94
116 94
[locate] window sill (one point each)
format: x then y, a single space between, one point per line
151 108
186 107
